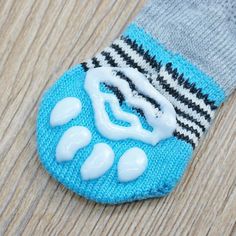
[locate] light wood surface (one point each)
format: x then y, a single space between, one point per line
39 39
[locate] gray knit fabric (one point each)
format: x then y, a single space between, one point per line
203 31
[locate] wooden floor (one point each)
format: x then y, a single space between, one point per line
38 41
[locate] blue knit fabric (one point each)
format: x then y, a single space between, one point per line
166 161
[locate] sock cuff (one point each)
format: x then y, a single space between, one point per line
203 32
175 64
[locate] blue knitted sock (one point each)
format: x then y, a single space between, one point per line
123 125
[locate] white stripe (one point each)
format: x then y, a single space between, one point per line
89 63
102 60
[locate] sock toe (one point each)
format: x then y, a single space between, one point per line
165 162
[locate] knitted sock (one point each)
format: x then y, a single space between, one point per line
123 125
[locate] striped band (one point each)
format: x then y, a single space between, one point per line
193 107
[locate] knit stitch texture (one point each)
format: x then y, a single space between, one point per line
203 31
194 95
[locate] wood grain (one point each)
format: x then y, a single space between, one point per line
38 41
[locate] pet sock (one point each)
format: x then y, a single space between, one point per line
123 125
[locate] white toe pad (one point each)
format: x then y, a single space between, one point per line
99 161
132 164
71 141
65 110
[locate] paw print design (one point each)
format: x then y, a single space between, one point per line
98 129
131 165
136 91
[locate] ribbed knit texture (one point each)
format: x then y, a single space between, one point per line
203 31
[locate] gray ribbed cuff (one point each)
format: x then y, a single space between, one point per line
203 31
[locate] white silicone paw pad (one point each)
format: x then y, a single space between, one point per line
98 163
131 165
138 93
65 110
71 141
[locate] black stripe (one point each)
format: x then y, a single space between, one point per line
109 59
188 117
95 62
85 66
129 61
185 138
133 88
145 54
139 110
117 92
182 98
121 98
189 128
181 80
